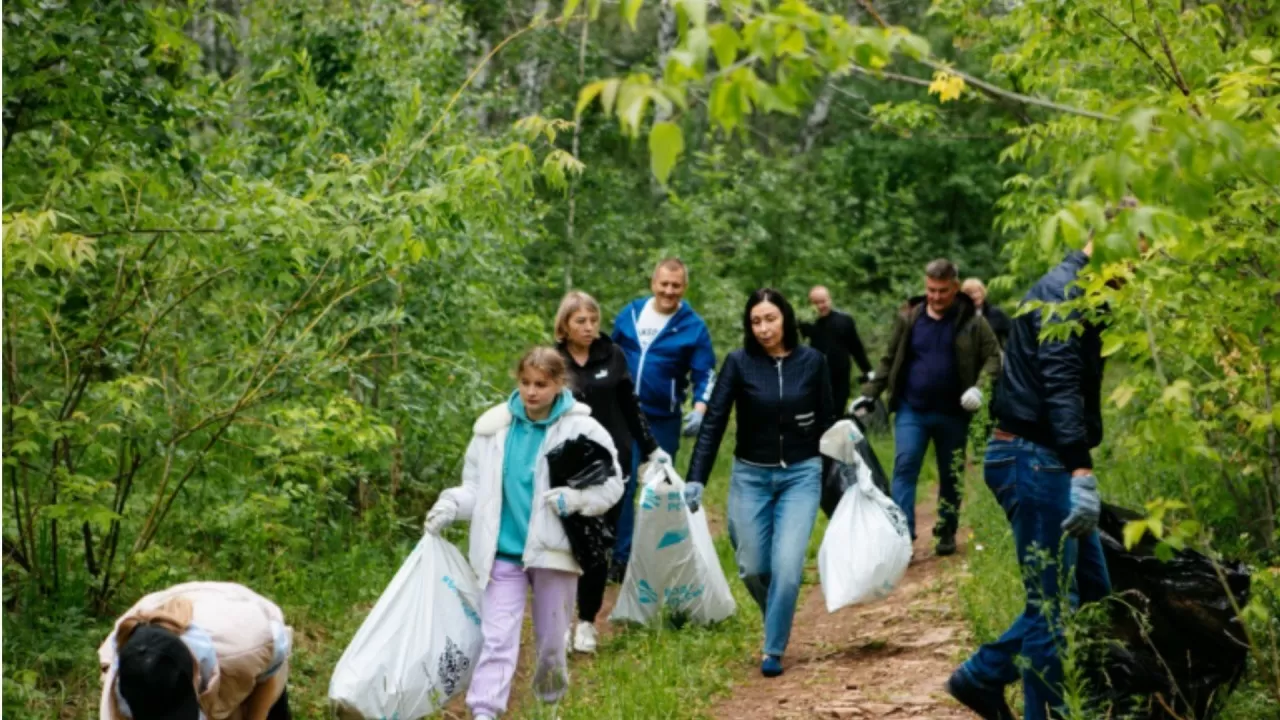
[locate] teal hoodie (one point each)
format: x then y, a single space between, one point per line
520 458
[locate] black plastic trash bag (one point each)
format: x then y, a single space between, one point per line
1180 649
579 463
838 477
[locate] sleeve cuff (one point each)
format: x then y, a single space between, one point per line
1075 457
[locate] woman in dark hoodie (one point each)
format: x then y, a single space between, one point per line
783 395
599 378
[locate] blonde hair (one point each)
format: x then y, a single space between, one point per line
173 616
573 301
971 283
546 360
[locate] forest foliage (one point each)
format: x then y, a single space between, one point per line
265 261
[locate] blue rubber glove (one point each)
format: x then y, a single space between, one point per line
692 423
1086 506
693 495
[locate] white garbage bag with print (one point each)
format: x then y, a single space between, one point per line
867 546
673 559
419 644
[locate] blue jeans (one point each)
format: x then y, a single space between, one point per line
912 431
1034 489
771 514
666 430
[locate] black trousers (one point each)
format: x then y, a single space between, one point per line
280 711
592 581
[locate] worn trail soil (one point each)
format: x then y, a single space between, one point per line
888 659
883 660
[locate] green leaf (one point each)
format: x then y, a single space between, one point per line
695 10
793 44
914 46
1112 344
666 142
1262 55
630 11
587 94
569 7
609 95
1133 532
1122 395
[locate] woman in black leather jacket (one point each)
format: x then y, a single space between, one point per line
783 395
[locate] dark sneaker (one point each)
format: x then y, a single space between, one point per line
988 704
946 545
771 666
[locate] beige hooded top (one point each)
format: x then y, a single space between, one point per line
248 635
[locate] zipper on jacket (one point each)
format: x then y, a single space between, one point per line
781 458
644 352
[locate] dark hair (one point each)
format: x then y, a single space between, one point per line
942 269
790 333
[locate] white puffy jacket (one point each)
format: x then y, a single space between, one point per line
479 498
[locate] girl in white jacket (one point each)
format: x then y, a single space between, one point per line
517 540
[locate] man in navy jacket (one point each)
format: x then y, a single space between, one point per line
668 348
1048 417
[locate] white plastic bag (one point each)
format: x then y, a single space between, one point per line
866 548
420 642
673 559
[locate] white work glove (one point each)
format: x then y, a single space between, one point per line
693 495
871 375
565 501
660 456
444 512
692 423
860 401
1086 506
971 400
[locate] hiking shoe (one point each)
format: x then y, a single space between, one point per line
771 666
988 704
946 546
617 571
584 637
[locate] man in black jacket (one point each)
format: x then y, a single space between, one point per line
1047 414
835 335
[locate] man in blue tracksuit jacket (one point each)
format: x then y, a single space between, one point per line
666 344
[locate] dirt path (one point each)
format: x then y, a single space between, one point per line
888 659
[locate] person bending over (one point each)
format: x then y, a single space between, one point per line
197 651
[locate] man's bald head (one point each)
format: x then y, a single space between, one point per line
820 298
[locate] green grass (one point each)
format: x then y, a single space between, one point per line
51 665
991 595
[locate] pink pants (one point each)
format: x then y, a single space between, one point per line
502 616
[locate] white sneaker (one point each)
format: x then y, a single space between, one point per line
584 637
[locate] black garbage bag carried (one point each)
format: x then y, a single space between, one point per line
838 477
1180 647
578 463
